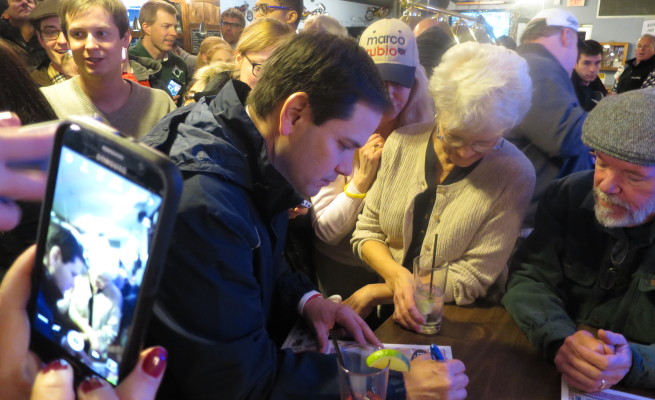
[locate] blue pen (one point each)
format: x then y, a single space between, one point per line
436 353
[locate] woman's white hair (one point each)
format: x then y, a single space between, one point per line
481 89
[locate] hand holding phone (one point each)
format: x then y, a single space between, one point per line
20 377
105 224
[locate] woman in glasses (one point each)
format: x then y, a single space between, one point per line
455 177
257 43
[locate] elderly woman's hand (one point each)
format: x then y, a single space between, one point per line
369 162
20 377
428 379
405 311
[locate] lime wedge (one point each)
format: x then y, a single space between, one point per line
383 357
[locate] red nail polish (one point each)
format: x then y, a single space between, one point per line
155 362
57 365
91 383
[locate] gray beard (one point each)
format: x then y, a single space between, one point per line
631 217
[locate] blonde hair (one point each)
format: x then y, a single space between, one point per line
480 89
261 35
324 23
420 105
208 47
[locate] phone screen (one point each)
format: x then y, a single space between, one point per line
173 87
97 246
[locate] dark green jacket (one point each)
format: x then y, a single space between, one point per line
173 69
561 268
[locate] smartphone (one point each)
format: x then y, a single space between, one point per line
106 221
173 87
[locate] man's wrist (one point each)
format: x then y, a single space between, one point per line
306 298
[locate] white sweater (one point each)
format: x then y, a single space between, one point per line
477 218
143 109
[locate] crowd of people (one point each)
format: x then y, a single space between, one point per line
539 183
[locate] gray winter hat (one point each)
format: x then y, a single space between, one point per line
623 126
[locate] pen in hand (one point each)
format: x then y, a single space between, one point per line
436 353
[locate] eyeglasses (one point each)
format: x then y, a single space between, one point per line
50 33
234 25
263 8
256 67
478 147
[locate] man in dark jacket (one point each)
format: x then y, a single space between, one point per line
588 86
549 135
637 69
591 258
227 292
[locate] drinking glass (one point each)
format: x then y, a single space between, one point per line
357 380
430 275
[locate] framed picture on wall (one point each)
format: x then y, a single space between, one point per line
586 31
614 55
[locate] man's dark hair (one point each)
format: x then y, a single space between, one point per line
589 48
297 6
335 72
68 245
432 44
234 13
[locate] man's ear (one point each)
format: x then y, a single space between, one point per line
54 257
567 39
145 28
127 38
294 108
292 16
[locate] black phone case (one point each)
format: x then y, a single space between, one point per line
152 163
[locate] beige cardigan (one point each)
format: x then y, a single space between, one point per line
477 218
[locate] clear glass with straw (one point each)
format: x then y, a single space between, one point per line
430 277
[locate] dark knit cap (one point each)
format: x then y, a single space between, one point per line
623 126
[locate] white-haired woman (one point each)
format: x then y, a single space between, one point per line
337 205
456 177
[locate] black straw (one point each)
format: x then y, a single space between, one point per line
434 260
343 364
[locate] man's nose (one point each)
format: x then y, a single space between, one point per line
466 152
609 183
346 165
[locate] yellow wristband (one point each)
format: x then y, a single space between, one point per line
353 195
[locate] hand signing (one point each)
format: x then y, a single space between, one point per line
428 379
323 315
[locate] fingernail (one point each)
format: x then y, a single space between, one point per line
155 362
91 383
57 365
